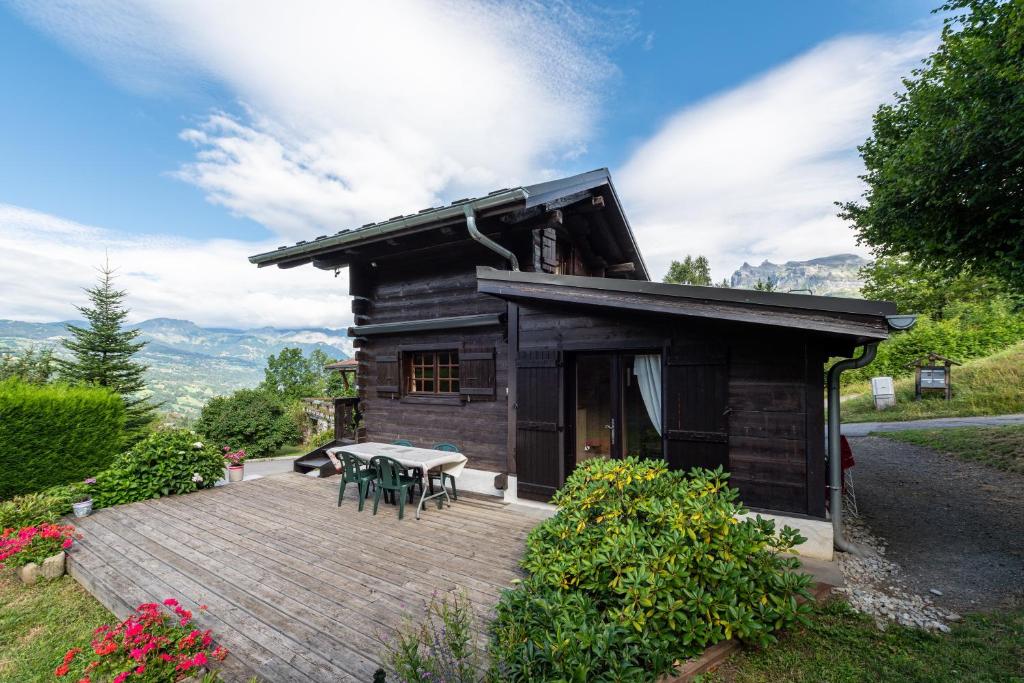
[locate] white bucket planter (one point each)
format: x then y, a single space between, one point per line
82 509
236 473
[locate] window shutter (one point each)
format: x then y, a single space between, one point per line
477 375
696 407
539 429
387 375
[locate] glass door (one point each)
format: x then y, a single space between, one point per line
595 423
617 406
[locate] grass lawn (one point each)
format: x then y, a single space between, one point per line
843 646
1000 447
291 449
993 385
39 623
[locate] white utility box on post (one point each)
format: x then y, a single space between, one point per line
884 392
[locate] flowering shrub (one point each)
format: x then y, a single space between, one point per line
165 463
642 567
234 459
18 547
438 649
150 645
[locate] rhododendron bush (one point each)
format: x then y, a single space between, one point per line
151 645
18 547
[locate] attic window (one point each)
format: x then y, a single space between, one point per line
432 373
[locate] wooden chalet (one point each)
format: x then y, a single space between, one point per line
523 326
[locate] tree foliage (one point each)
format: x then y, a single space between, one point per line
927 291
689 271
33 366
291 375
945 161
101 354
252 419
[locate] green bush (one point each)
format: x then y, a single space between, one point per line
55 434
250 419
33 509
969 331
321 438
438 648
164 463
642 567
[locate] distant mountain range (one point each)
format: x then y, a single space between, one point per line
189 364
837 275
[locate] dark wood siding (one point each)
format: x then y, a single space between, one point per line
539 444
441 286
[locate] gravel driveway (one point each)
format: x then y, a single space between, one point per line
952 526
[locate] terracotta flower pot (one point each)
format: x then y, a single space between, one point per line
236 473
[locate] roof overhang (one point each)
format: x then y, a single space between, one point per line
549 194
858 320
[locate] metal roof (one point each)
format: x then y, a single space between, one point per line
498 201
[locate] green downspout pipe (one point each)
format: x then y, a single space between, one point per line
835 465
483 239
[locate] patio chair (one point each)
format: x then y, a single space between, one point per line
411 471
353 471
390 476
444 476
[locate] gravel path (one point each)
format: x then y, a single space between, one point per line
952 527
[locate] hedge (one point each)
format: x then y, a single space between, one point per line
55 434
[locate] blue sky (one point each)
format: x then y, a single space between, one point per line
180 137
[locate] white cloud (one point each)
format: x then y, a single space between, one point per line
355 111
753 173
47 261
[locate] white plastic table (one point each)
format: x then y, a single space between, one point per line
425 459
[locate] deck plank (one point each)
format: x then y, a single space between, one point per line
297 588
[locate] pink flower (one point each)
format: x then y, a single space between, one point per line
199 659
119 678
171 602
66 544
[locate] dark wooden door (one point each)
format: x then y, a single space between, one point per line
539 424
696 407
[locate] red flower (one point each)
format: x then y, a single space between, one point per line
171 602
66 544
119 678
219 652
199 659
84 679
61 670
140 669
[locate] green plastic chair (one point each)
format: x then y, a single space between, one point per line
390 476
353 471
444 476
412 471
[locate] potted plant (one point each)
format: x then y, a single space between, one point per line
236 463
81 503
36 551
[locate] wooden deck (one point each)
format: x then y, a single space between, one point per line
297 589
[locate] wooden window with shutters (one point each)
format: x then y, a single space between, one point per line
432 373
387 375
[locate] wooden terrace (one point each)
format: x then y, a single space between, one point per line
296 588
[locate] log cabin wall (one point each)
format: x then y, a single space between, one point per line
436 286
775 391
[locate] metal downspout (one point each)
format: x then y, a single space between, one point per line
483 239
835 465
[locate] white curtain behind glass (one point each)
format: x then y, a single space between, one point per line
647 370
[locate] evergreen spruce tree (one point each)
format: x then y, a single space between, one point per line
102 352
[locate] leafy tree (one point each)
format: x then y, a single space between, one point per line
927 291
769 285
945 162
689 271
101 353
253 419
291 375
32 366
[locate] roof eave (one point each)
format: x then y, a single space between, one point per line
304 253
